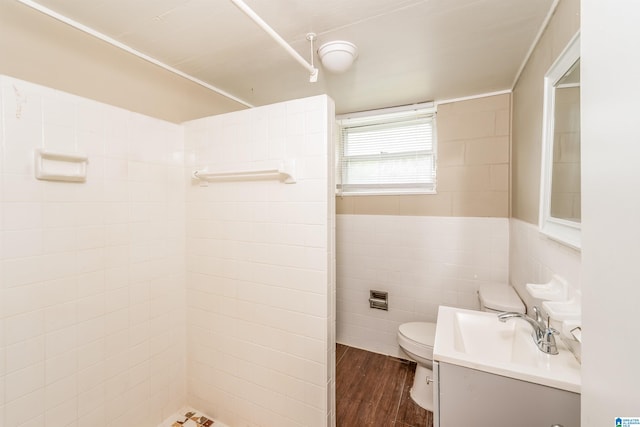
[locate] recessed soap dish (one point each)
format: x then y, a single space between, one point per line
52 166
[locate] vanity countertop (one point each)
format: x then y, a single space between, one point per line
478 340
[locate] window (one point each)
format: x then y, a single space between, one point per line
387 153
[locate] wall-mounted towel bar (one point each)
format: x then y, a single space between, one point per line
283 171
51 166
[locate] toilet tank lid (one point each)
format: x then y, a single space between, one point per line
500 297
421 332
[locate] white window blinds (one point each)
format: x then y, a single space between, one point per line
392 153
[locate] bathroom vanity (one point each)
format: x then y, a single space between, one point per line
467 397
491 373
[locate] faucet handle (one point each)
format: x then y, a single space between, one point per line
548 342
536 311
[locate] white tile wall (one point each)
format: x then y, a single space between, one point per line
259 268
422 262
534 258
92 274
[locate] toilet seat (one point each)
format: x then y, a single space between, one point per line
417 338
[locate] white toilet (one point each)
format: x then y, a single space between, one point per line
416 338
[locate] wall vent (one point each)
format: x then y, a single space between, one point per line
379 300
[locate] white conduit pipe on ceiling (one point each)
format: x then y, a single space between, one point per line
313 72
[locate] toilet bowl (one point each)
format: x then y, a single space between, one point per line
416 339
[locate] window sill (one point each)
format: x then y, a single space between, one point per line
387 193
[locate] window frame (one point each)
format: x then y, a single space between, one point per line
377 118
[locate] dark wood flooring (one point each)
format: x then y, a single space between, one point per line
373 390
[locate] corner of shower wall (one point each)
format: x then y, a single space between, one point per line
260 255
331 214
91 274
2 345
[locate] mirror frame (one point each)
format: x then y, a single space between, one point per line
562 230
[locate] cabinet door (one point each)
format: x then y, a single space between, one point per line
468 397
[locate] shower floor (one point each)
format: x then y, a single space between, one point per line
189 417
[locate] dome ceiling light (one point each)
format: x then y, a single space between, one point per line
337 56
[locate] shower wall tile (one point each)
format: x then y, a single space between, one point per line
90 331
422 262
259 268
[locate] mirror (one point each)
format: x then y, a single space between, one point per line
560 200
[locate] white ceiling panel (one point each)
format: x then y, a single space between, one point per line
409 50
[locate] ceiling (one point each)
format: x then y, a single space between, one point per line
409 50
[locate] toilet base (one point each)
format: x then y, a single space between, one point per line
421 392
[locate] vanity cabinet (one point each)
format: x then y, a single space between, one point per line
470 397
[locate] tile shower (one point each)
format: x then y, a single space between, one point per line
126 297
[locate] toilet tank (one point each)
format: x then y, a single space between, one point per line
498 297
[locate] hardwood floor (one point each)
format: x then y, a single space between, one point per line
373 390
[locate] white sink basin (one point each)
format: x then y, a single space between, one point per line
478 340
507 342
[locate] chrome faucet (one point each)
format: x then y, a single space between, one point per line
543 334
